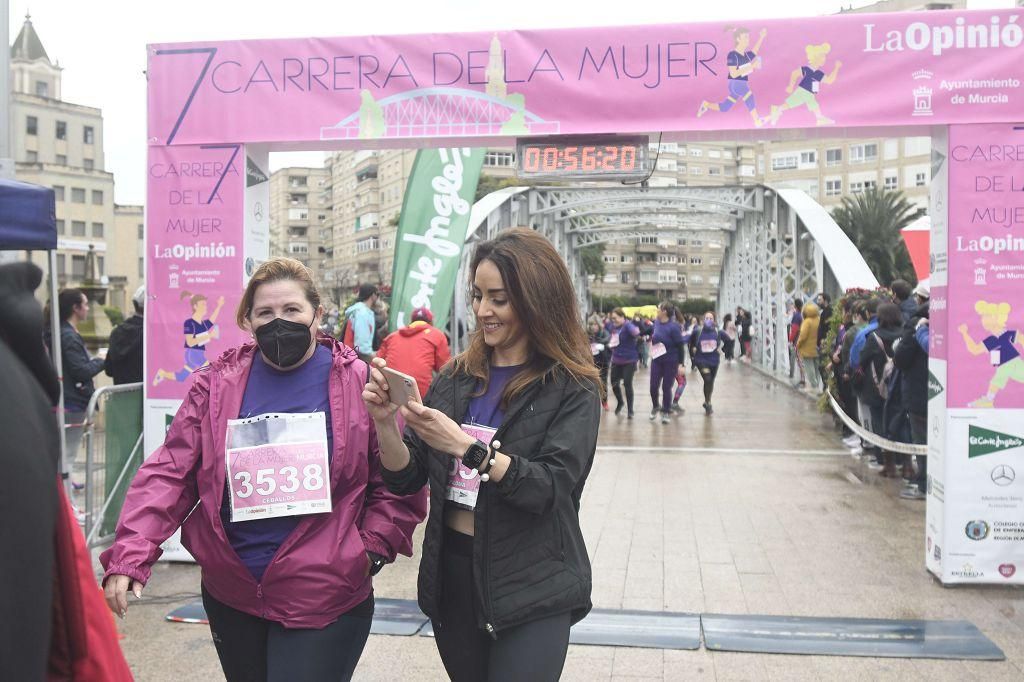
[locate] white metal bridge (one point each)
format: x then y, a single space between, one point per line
780 244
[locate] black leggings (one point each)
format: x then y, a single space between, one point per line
708 374
533 651
252 649
623 374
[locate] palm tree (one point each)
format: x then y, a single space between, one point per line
873 220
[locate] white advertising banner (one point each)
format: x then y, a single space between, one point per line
975 516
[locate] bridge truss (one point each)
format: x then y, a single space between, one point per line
779 244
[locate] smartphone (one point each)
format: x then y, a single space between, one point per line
401 387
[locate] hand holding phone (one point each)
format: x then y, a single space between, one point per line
402 388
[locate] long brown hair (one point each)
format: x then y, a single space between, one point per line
541 295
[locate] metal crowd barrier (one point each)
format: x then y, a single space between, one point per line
113 453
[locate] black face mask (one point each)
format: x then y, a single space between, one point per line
284 342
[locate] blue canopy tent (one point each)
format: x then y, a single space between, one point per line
28 222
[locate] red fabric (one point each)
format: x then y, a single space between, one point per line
84 643
418 350
918 244
320 571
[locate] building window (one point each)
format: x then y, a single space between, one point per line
500 159
31 156
366 245
696 170
834 157
60 226
891 183
31 125
142 231
58 193
97 197
870 185
714 171
647 240
610 258
88 135
297 181
921 179
88 164
100 265
77 195
78 228
62 130
856 187
62 159
624 277
97 230
61 265
809 158
696 260
42 89
78 267
696 152
142 267
785 162
648 276
863 153
833 188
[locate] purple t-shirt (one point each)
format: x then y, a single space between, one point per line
739 59
1004 344
811 82
304 389
195 328
485 410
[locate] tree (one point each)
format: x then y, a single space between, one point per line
492 183
873 220
592 258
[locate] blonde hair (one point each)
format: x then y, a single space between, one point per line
1001 310
277 270
817 50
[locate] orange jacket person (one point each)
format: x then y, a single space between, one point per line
419 349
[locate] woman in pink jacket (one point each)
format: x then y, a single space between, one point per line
272 465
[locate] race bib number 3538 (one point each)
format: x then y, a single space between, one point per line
268 480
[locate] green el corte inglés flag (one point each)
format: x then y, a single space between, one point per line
432 231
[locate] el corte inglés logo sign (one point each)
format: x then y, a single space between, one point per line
934 386
985 441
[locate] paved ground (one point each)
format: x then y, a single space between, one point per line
754 510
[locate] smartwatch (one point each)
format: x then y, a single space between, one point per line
377 562
475 455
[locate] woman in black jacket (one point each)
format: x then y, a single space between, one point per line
504 571
877 351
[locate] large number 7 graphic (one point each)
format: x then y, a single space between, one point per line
210 52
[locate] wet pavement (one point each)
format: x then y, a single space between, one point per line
756 509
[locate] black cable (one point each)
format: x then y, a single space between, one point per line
654 167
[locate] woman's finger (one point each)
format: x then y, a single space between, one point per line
137 589
377 378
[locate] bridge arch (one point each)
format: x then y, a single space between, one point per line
780 244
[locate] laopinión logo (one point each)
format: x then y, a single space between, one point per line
976 530
985 441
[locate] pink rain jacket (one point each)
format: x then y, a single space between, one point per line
319 572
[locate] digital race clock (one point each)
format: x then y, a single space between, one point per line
600 157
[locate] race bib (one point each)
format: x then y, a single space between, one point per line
464 483
596 348
657 350
708 346
995 357
277 465
815 86
614 341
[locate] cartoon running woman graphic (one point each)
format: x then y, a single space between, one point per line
198 332
999 344
741 62
810 77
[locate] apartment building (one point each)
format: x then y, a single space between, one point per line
59 144
300 206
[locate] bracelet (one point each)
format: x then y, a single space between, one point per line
493 450
484 476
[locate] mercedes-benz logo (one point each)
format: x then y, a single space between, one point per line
1003 475
257 210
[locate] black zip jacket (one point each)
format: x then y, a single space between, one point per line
912 361
124 358
529 559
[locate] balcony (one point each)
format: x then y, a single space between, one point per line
649 248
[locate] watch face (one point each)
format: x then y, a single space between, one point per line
475 455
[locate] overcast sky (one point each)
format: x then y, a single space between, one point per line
101 45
